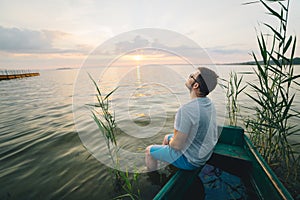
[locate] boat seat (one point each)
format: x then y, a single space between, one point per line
231 159
236 152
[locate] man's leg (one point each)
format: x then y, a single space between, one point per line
166 154
151 163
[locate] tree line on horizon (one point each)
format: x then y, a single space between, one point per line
295 61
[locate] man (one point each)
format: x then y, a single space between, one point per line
195 129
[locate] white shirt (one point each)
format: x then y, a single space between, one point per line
197 118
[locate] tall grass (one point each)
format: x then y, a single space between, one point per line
233 89
270 126
106 123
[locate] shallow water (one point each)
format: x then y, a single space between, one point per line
43 154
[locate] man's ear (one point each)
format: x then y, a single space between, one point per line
196 85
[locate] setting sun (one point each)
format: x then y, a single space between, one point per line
137 57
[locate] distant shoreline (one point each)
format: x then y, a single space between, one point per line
296 61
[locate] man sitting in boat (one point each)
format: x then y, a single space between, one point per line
195 128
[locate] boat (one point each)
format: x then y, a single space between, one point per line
234 153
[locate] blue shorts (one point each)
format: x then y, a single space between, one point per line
167 154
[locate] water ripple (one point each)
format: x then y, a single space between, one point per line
41 154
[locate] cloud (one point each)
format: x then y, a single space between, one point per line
229 49
152 42
164 45
137 42
16 40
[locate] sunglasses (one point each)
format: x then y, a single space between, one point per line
192 76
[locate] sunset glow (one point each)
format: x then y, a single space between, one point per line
66 34
137 57
149 58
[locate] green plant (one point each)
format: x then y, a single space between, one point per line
232 92
105 121
270 126
107 126
130 181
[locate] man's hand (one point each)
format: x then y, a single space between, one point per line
178 141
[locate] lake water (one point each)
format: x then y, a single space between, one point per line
50 146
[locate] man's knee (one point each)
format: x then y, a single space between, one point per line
148 150
166 138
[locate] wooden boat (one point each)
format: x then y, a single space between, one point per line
236 154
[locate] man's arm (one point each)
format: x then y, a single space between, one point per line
178 141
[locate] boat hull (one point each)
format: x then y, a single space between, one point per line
234 153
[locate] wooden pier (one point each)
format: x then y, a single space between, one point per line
13 74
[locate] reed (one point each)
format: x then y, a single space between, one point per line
270 125
130 185
233 89
104 119
106 123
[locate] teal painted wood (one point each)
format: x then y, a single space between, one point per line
264 179
178 185
233 147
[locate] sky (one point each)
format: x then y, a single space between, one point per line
63 33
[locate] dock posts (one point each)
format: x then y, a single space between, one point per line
13 74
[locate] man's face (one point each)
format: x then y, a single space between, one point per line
191 80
